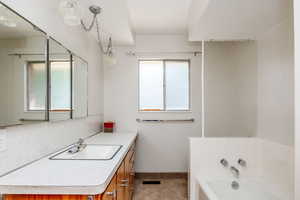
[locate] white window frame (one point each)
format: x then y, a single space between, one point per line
164 85
27 108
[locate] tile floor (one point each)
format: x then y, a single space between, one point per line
169 189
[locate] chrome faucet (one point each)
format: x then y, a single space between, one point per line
78 146
235 171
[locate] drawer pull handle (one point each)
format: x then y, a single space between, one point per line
124 181
113 193
123 185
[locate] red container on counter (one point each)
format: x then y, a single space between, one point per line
109 127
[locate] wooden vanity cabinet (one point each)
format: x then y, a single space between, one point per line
131 176
121 183
125 174
111 191
121 186
44 197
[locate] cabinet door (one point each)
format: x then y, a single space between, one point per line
131 177
121 185
111 191
127 175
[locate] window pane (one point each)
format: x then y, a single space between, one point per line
177 85
60 85
36 85
151 85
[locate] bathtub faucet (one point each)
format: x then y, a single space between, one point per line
235 171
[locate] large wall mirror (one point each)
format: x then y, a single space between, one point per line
60 66
40 80
23 80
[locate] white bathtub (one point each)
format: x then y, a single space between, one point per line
248 190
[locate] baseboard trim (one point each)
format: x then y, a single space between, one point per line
161 175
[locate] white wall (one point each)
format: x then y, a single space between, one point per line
45 138
230 89
161 147
234 117
276 84
297 97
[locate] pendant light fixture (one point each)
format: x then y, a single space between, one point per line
72 14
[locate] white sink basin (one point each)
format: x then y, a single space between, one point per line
90 152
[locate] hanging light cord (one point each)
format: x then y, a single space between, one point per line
98 35
108 50
89 28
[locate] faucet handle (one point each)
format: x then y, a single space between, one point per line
242 162
224 162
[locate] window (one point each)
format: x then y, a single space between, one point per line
164 85
60 86
36 86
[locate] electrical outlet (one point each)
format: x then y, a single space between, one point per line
2 140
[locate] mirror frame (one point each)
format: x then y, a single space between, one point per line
48 74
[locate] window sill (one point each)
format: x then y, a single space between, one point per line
166 111
51 111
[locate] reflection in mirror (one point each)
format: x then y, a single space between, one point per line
60 82
80 88
230 89
22 71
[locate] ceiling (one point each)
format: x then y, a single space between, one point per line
114 20
236 19
198 19
159 16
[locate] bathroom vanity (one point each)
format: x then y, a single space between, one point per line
77 179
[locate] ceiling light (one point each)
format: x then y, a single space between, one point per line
109 56
109 60
72 14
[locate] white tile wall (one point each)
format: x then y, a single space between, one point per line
266 160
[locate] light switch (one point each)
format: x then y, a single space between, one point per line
2 140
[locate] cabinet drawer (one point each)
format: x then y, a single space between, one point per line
111 191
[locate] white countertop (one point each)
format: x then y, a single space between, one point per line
47 176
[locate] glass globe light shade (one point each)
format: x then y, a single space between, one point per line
71 12
109 59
